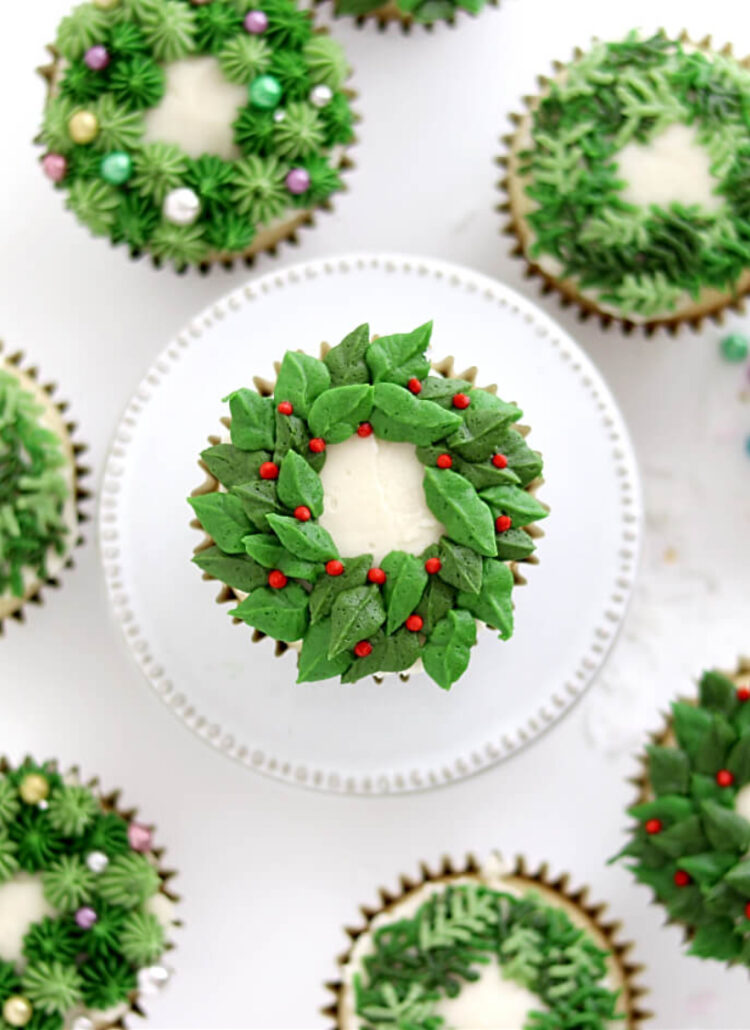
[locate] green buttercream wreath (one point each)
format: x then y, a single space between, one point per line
32 490
425 11
640 260
296 115
354 621
57 831
420 960
689 844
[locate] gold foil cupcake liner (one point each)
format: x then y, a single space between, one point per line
111 803
714 304
12 608
265 387
607 934
389 15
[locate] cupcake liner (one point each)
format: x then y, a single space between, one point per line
267 240
265 387
715 305
606 933
110 802
16 363
389 15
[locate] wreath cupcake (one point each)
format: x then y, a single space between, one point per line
628 181
39 488
85 910
492 946
367 445
195 132
691 835
408 12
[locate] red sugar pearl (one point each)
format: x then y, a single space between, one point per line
461 400
433 565
724 778
444 461
414 385
268 470
285 408
317 445
681 878
414 623
363 648
364 429
499 461
302 513
747 910
377 576
503 523
743 694
653 826
277 580
334 567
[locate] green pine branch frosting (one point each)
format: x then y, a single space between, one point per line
32 491
354 620
424 11
417 961
117 184
639 262
102 932
689 844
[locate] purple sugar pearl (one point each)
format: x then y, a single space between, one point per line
86 917
97 58
298 180
55 167
256 23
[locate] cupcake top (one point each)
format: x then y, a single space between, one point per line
484 949
692 833
629 179
371 510
84 913
196 133
37 489
425 12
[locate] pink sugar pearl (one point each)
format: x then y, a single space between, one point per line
298 180
97 58
55 167
139 837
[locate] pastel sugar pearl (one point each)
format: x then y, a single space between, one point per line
97 58
86 917
140 837
182 206
256 23
55 167
298 181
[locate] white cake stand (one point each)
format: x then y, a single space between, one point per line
370 738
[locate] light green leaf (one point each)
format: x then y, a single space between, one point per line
236 570
400 357
281 614
223 518
461 566
346 362
447 652
493 604
301 379
404 586
399 415
306 540
356 615
521 506
337 413
455 503
314 663
299 484
252 420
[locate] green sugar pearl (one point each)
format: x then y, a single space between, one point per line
735 347
117 167
265 92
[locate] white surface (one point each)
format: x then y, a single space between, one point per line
270 873
242 698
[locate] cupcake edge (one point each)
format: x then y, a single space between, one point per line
389 15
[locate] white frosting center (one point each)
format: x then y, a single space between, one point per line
673 168
197 110
373 498
742 802
489 1003
22 903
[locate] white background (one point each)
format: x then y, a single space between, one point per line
270 874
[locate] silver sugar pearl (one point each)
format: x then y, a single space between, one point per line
321 96
97 861
82 1023
279 116
43 805
152 979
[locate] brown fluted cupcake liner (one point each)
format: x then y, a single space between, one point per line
713 304
265 387
389 15
268 240
607 934
111 803
12 607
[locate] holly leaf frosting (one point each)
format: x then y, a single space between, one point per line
252 420
356 615
305 540
314 663
454 502
399 358
725 829
441 390
404 586
485 474
492 605
522 507
514 545
231 465
299 484
327 588
266 550
460 566
281 614
258 500
337 413
223 517
236 570
482 432
447 652
669 770
395 653
437 601
301 379
398 415
346 362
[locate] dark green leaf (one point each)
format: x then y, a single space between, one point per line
337 413
718 692
306 540
482 433
493 604
739 877
301 379
718 940
461 566
223 518
356 7
258 500
484 474
299 484
522 507
398 358
237 571
660 880
268 552
691 724
669 770
707 868
346 362
442 390
232 466
356 615
725 829
671 807
395 653
739 761
455 503
314 663
282 614
723 900
527 464
685 837
327 588
687 907
403 588
705 788
711 755
252 420
398 415
514 545
292 435
437 601
448 650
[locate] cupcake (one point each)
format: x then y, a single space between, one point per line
369 510
627 181
407 12
691 835
85 908
39 488
195 133
486 946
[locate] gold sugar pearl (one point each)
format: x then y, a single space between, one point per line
34 788
106 5
83 127
17 1010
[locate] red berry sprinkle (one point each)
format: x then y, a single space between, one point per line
747 910
364 429
414 385
743 694
285 408
268 470
724 778
503 523
461 400
377 576
363 648
334 567
444 461
499 461
414 623
681 878
433 565
302 513
317 445
653 826
276 579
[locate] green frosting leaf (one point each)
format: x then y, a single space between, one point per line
514 545
299 484
725 829
669 770
438 599
314 663
253 420
521 506
327 588
455 503
301 380
337 413
395 653
224 519
292 434
237 571
447 652
461 566
738 762
716 940
346 362
355 616
305 540
739 877
281 614
268 552
442 390
258 500
483 431
399 358
403 588
399 416
718 692
483 475
231 465
493 604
